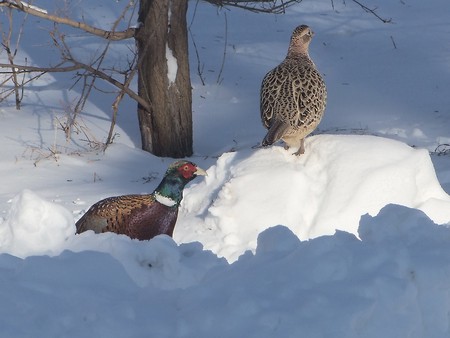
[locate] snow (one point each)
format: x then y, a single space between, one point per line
26 4
23 233
340 178
350 239
172 66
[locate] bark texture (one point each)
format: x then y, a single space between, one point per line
164 78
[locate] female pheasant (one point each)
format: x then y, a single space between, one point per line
293 95
142 216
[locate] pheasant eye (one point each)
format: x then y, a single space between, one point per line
186 171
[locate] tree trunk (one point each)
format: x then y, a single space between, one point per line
164 78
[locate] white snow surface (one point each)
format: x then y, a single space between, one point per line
340 178
350 239
172 65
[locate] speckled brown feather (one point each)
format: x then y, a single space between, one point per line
143 216
138 216
293 95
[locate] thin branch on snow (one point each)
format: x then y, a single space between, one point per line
372 11
115 105
224 50
11 53
442 149
74 67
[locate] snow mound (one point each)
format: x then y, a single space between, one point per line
336 285
339 179
394 281
34 226
393 278
160 262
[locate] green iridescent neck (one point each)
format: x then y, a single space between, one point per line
172 187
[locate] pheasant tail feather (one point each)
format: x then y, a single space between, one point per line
275 133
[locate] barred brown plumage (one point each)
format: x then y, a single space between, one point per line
142 216
293 95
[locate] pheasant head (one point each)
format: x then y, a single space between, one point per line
300 39
170 191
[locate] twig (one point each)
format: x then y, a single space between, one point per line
393 42
11 91
442 149
76 65
115 105
194 13
109 35
119 97
199 65
6 43
372 11
263 7
224 50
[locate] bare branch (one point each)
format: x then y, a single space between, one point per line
34 69
442 149
115 107
224 50
257 6
77 66
114 82
8 91
372 11
11 54
109 35
199 65
279 6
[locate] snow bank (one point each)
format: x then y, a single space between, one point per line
393 282
339 179
34 226
385 272
38 227
160 262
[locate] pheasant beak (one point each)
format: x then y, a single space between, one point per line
201 172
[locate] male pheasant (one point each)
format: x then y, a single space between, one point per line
293 95
142 216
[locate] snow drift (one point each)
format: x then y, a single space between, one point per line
339 179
